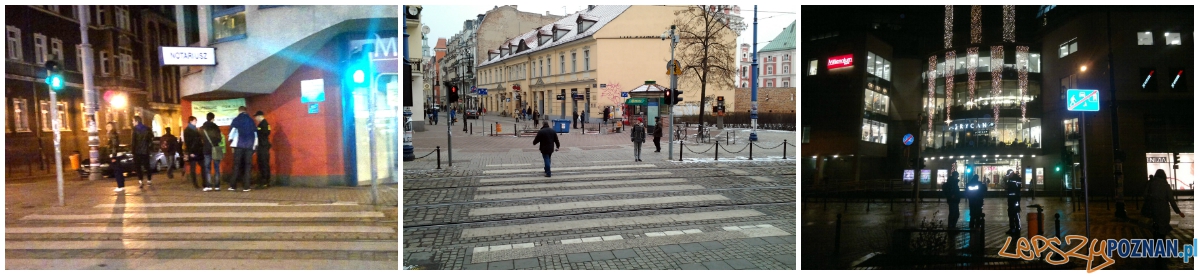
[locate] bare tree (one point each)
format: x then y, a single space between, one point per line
704 50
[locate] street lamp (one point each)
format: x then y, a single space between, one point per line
1083 68
118 101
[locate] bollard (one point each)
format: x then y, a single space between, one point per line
784 149
472 129
716 149
680 150
751 150
515 130
439 153
1057 227
726 138
837 236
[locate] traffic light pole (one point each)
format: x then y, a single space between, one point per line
754 81
90 97
671 107
54 123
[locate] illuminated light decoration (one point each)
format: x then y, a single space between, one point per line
1010 18
997 69
950 58
949 25
1151 74
972 64
1023 79
1172 82
976 26
929 101
846 60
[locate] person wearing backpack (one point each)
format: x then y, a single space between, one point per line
214 151
169 145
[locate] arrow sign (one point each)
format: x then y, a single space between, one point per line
1083 100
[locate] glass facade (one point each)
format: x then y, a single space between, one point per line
876 102
878 66
874 131
987 133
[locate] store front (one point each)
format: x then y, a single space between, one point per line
1183 178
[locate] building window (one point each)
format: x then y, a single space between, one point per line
13 43
805 135
541 68
787 69
1145 38
770 83
126 61
56 52
104 63
745 84
812 67
1068 48
100 16
587 60
1172 38
770 69
122 18
786 84
1035 63
880 67
79 57
744 72
20 115
873 131
228 23
787 57
562 63
39 49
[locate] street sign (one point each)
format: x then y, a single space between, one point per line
576 96
560 97
624 94
187 56
483 91
1083 100
673 68
908 139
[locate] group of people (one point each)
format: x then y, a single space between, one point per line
203 147
548 139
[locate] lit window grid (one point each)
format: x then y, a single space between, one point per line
972 65
950 57
1010 18
949 26
976 25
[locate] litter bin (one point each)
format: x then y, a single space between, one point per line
1035 221
74 161
562 126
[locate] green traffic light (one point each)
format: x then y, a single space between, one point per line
55 82
359 76
1058 168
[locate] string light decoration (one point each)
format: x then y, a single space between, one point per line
932 75
949 25
997 74
1023 77
950 62
976 26
972 64
1010 18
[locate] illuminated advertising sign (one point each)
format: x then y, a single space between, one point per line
841 61
908 175
187 56
925 176
941 176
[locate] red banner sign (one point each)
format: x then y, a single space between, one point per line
841 61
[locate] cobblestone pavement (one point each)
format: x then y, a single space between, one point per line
496 210
171 225
865 232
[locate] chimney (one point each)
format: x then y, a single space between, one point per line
590 7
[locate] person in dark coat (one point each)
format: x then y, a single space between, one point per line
194 154
535 117
953 194
1160 203
1012 188
169 146
658 126
212 138
638 136
975 192
574 119
243 138
114 143
549 144
142 139
263 152
607 114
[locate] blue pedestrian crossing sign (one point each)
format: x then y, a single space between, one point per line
1083 100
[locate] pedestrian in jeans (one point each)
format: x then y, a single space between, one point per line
142 138
114 161
549 141
195 152
243 138
214 151
638 136
169 145
658 126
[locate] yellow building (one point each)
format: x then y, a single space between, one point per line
595 54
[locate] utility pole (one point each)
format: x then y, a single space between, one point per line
1118 155
754 82
51 69
671 108
408 146
90 97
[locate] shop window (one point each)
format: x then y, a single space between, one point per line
875 102
873 131
1172 38
20 109
228 23
1183 178
812 67
1145 38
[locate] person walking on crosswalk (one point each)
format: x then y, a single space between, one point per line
114 163
142 137
638 136
549 144
658 126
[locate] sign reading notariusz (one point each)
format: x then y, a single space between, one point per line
188 56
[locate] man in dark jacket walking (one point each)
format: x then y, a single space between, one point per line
549 144
243 138
607 114
114 143
952 192
658 126
638 136
263 151
194 154
169 145
142 139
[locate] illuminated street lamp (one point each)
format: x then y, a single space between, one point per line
118 101
1083 68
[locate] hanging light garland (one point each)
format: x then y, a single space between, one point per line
932 75
997 74
976 27
949 25
950 61
1023 78
1010 18
972 64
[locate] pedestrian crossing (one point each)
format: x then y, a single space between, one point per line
204 235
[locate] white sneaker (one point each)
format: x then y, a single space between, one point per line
245 190
207 189
232 189
119 190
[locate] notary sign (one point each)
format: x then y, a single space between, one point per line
1083 100
187 56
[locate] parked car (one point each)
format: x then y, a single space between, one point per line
471 114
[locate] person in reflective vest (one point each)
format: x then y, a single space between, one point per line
1012 189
